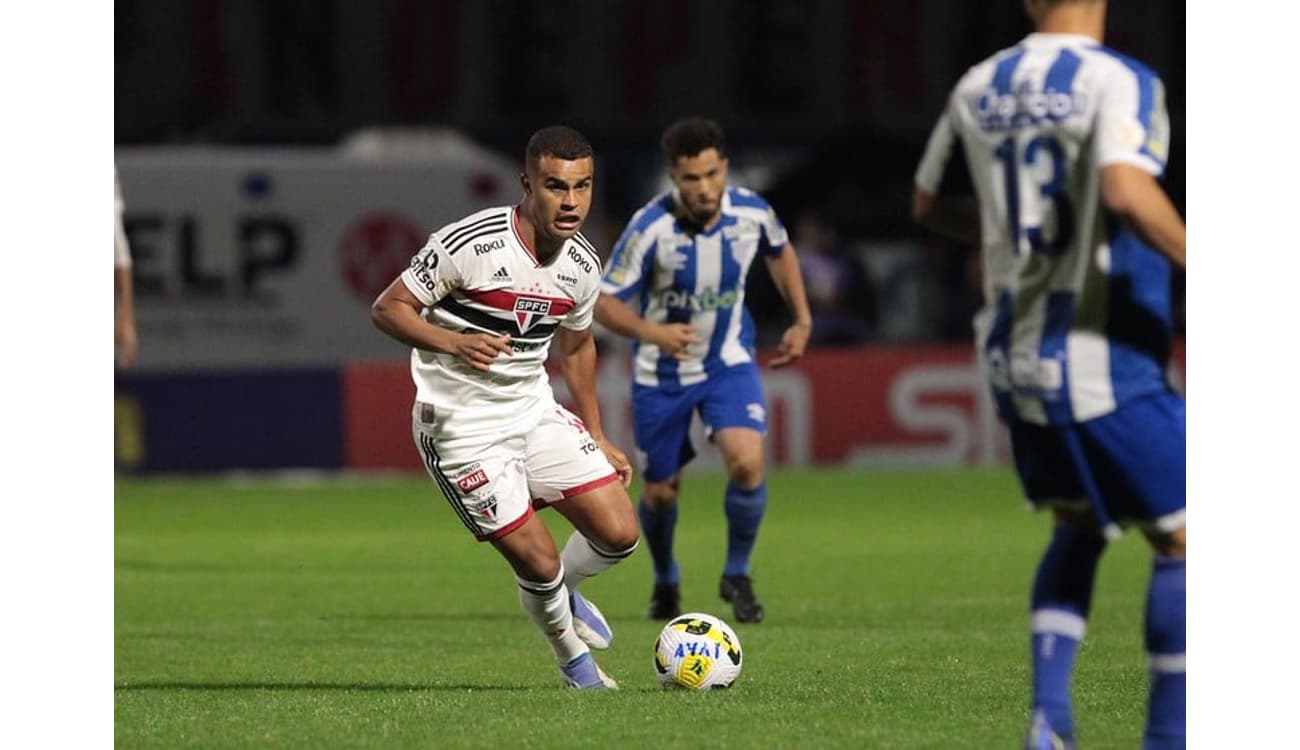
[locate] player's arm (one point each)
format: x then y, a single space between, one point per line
125 337
672 338
125 340
397 311
1132 143
1135 196
788 280
952 214
578 363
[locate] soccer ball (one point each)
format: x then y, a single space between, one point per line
697 651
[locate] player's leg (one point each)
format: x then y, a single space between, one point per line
661 422
567 470
486 488
1136 458
1061 595
737 419
1165 634
531 552
657 510
1060 601
1146 446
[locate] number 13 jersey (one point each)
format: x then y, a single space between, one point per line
1077 310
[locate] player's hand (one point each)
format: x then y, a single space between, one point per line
793 344
480 349
618 460
673 338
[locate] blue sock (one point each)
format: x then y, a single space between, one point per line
658 527
1166 641
1059 605
744 514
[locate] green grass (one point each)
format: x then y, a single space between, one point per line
360 614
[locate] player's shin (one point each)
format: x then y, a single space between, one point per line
744 509
547 605
1059 605
1166 642
583 558
658 525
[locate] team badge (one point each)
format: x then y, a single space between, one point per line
528 310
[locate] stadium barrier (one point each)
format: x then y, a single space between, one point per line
865 406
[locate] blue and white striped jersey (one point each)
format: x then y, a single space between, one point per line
670 272
1077 308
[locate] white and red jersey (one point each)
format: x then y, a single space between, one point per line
477 275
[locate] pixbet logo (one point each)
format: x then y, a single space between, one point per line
709 299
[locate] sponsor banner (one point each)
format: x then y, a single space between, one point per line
377 402
868 406
264 258
893 406
200 422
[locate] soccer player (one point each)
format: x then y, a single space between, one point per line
1064 141
676 283
124 335
480 305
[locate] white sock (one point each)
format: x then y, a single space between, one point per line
582 559
547 604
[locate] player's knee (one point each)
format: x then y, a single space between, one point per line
539 569
1169 544
660 494
746 472
622 541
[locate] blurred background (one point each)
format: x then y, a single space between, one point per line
282 159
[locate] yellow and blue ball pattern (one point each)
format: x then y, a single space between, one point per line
697 651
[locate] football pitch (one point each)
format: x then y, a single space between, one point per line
359 613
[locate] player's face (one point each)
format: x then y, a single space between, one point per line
700 180
559 193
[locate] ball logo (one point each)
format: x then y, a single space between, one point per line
528 310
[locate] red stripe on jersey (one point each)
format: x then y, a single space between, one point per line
515 524
589 486
504 299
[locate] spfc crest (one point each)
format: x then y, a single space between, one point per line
528 310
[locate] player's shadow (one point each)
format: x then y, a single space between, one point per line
309 686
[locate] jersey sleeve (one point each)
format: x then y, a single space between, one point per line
775 236
1132 122
580 317
432 273
629 263
938 154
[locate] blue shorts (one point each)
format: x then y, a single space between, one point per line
662 418
1135 458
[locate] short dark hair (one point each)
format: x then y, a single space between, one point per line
559 141
690 136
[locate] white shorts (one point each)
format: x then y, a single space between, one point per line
494 484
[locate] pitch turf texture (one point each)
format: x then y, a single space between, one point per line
360 614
